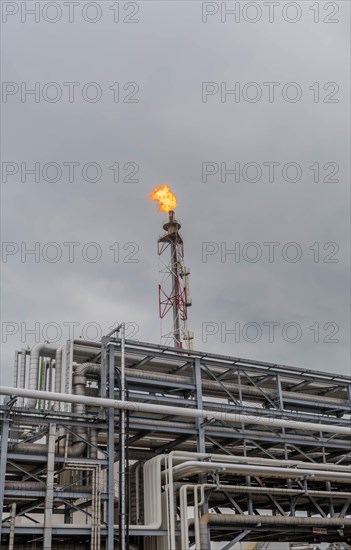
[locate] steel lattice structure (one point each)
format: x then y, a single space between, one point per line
261 451
173 291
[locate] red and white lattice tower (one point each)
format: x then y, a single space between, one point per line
174 299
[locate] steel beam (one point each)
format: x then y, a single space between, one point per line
49 498
110 449
238 538
3 452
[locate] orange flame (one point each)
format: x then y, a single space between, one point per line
167 200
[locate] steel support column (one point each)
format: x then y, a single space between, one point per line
12 526
3 452
122 457
110 450
201 444
49 498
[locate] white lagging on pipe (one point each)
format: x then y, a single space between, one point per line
231 418
238 519
237 489
16 368
33 381
58 368
193 467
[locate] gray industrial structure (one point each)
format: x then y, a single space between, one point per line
124 444
128 445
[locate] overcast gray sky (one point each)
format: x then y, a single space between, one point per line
195 97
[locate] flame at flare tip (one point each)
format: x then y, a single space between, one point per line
166 199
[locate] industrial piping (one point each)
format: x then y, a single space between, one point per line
33 382
249 520
79 445
232 418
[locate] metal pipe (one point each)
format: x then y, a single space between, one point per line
193 467
175 290
22 372
177 456
235 459
238 519
137 492
108 335
109 364
236 489
94 443
58 368
122 464
79 444
243 489
232 418
39 486
162 423
22 377
94 470
234 388
33 381
16 368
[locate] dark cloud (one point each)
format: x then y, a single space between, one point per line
169 133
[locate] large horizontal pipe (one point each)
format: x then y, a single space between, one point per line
194 467
236 459
272 521
88 348
132 406
38 486
280 491
234 388
78 446
222 360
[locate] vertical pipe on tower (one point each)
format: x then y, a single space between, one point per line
176 323
174 298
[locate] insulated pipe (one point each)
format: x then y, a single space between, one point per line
94 470
224 361
122 464
234 388
194 467
22 373
19 368
79 445
280 491
163 423
137 492
79 384
74 450
16 368
33 382
236 489
152 494
177 456
238 519
39 486
94 443
176 320
231 418
212 457
212 384
58 368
